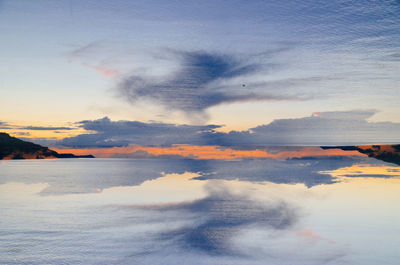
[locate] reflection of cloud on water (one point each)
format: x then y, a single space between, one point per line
221 215
233 225
86 176
175 219
228 212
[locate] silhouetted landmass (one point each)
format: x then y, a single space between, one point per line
387 153
74 156
14 148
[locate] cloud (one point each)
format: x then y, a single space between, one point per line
322 128
44 128
199 82
346 115
327 128
313 237
43 141
121 133
87 56
21 133
4 125
85 50
103 69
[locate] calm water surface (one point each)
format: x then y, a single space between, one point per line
328 210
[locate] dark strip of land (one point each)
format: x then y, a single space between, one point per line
14 148
387 153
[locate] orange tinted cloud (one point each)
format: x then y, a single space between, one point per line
207 152
101 69
312 236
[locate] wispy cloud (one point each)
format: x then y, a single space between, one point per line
103 69
21 133
4 125
88 56
45 128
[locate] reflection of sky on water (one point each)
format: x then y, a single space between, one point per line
120 211
86 175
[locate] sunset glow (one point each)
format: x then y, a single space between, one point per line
207 152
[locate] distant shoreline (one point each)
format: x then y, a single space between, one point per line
12 148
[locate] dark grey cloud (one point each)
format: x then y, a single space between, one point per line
94 140
121 133
324 128
194 87
105 125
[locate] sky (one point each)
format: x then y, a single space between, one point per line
101 74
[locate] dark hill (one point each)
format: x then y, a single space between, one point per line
14 148
387 153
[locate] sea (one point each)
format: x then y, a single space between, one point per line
310 210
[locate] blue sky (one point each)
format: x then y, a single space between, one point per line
240 64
